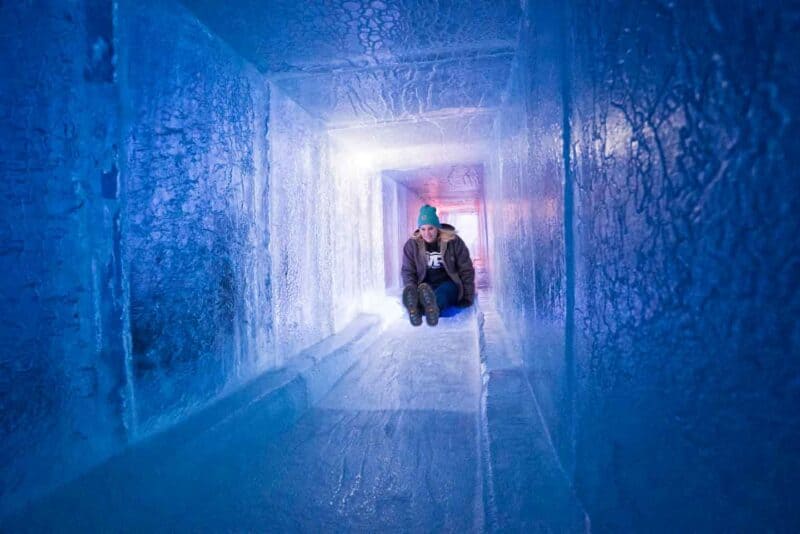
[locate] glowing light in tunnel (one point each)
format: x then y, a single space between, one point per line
364 160
455 138
466 224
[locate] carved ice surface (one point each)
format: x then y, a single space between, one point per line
201 199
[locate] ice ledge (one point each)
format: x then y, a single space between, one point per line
525 486
282 395
263 407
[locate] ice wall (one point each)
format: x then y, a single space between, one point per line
301 221
62 379
456 190
327 243
357 238
687 205
134 230
398 225
655 258
524 197
150 268
196 231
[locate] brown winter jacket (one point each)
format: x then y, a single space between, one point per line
457 263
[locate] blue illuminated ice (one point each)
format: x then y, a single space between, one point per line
202 209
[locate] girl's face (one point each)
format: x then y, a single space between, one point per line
429 232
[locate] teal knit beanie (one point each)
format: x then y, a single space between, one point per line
427 215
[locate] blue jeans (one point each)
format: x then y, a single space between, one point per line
446 294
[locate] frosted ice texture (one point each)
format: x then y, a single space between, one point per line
411 83
400 206
177 221
287 37
525 212
400 92
134 216
301 223
196 232
327 231
61 354
682 175
357 228
687 292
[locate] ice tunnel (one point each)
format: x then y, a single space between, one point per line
204 206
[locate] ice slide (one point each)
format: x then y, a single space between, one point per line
400 442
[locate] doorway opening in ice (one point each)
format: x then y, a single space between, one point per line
455 190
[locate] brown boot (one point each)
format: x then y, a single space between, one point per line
411 302
428 299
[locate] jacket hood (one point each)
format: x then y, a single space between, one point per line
447 233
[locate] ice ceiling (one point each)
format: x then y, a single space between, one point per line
405 84
452 184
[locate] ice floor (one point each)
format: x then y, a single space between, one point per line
396 445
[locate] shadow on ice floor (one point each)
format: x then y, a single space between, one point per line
416 435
